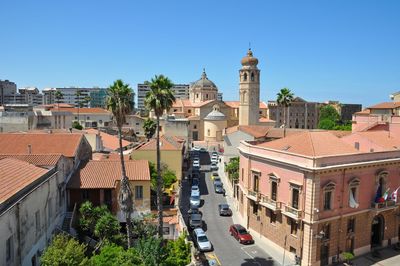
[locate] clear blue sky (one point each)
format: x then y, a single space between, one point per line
340 50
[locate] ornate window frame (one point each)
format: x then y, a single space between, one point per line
329 187
354 183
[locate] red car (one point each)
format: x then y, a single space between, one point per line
241 234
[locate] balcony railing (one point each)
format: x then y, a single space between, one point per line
254 195
293 213
382 205
270 203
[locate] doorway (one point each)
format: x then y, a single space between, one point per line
324 254
377 226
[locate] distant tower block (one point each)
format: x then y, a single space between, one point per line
249 90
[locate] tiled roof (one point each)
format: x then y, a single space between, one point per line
35 159
97 156
363 112
104 173
62 143
385 105
109 141
256 131
235 104
83 110
166 143
189 103
15 175
170 219
311 143
381 138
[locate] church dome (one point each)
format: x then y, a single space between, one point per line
204 82
249 60
215 115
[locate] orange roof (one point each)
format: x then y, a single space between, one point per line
264 119
311 143
381 138
35 159
166 143
170 219
97 156
235 104
105 173
17 143
363 112
109 141
256 131
385 105
83 110
15 175
189 103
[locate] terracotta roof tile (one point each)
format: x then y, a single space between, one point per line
363 112
83 110
35 159
381 138
104 173
109 141
385 105
15 175
166 143
311 143
256 131
97 156
17 143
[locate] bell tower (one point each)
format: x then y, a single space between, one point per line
249 91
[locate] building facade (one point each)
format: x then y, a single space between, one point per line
7 91
317 195
70 95
180 91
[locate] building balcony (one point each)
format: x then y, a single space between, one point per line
380 206
293 213
253 195
270 203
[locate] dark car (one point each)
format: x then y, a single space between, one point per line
217 179
194 210
195 220
224 210
195 182
218 187
241 234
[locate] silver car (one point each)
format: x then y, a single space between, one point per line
201 240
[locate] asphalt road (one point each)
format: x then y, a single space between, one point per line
227 250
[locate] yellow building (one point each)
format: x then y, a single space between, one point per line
172 151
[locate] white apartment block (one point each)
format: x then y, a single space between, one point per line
181 91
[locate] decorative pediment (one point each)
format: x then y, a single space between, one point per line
355 182
330 186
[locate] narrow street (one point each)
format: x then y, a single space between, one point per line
227 250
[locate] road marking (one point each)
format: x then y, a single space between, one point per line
248 254
213 257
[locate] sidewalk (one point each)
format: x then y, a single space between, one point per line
262 242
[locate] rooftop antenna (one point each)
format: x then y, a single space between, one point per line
249 45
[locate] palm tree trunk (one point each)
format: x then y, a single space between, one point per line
125 192
159 183
284 121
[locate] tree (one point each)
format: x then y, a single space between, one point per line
284 98
76 125
329 112
114 255
107 229
233 168
159 99
64 251
149 127
89 215
119 102
168 176
150 250
326 124
59 96
178 252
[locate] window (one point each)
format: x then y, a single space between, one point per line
242 173
37 221
206 96
295 198
351 222
9 249
138 192
194 126
293 227
100 121
274 190
85 194
197 95
327 231
88 117
255 181
165 230
272 217
328 193
137 123
175 110
189 111
245 77
252 76
255 208
208 132
357 145
353 193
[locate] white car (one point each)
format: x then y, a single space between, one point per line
196 160
195 193
214 166
195 200
196 164
201 240
195 148
214 159
195 188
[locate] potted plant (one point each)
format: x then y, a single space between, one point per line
347 257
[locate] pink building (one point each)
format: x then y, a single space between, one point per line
318 195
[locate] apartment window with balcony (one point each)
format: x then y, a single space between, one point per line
328 195
274 190
351 223
293 227
295 198
256 181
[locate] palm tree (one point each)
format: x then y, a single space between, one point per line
78 94
149 127
59 96
284 98
159 99
119 102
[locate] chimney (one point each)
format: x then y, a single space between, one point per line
29 149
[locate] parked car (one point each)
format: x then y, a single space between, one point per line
214 159
214 153
214 166
195 181
196 148
217 179
195 193
194 209
196 164
202 149
240 233
224 210
195 188
195 201
201 240
195 220
218 187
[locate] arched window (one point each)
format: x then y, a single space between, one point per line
252 76
245 77
328 191
354 185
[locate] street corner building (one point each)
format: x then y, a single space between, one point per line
317 194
